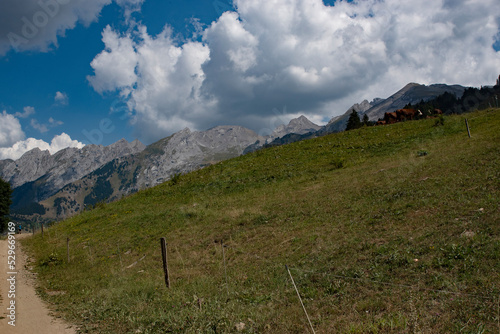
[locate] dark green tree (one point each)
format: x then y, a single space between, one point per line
5 202
366 120
353 122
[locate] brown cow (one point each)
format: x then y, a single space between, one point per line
390 117
407 114
438 112
381 123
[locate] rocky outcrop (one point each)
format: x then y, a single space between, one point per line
187 150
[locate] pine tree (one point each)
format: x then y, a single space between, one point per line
5 202
353 122
366 120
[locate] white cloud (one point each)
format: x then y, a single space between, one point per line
54 123
161 80
130 6
58 143
10 130
37 126
313 59
45 127
37 25
61 98
115 66
28 111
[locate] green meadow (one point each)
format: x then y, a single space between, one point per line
387 229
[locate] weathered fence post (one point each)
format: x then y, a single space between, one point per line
165 263
41 225
467 125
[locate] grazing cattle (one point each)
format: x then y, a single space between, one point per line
381 123
407 114
438 112
390 117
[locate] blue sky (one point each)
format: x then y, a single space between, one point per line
101 70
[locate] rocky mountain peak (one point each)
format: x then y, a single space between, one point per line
299 125
52 172
411 93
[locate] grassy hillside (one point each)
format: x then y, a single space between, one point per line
390 229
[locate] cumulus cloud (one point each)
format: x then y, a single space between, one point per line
61 98
37 25
27 111
12 138
58 143
300 54
10 130
115 66
161 80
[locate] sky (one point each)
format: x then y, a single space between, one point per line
79 72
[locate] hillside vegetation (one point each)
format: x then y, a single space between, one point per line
389 229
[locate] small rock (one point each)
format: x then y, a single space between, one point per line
468 234
240 326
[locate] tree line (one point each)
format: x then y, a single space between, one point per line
471 99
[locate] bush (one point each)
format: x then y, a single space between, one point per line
175 179
439 121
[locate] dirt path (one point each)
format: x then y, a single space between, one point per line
31 314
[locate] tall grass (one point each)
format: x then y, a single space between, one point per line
380 238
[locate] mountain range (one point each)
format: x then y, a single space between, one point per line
411 93
51 187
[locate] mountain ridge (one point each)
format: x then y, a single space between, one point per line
410 93
61 188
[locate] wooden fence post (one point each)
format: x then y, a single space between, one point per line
41 224
467 125
165 263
